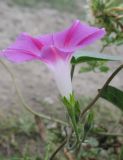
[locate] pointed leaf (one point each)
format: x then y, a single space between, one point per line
113 95
85 56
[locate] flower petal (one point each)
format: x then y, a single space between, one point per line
28 43
56 39
25 48
19 55
47 39
51 55
76 36
92 37
1 54
80 35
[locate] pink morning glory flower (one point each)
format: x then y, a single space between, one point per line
55 50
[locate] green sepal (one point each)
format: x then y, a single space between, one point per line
73 109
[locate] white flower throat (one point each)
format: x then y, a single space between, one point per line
62 77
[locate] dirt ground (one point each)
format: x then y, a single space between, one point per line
34 78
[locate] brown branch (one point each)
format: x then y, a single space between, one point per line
68 155
41 127
101 90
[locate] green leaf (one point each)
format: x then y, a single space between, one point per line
104 69
85 69
85 56
113 95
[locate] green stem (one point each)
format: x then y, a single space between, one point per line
26 106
